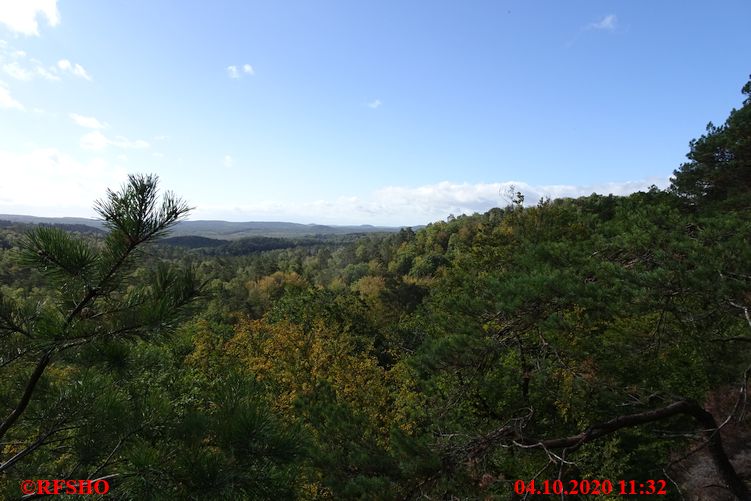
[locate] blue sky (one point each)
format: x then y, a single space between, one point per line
385 112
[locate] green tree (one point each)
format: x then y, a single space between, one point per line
95 304
583 319
720 161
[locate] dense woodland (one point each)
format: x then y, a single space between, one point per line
602 337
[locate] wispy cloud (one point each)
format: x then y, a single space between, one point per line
228 161
21 16
95 140
6 100
87 122
74 69
17 65
14 70
235 72
375 104
607 23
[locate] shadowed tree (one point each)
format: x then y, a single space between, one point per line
720 161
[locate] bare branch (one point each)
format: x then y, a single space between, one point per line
511 433
745 312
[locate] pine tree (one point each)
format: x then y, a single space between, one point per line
719 170
100 299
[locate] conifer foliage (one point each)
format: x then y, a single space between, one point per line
719 169
96 303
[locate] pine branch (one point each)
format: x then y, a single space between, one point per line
26 397
132 214
41 440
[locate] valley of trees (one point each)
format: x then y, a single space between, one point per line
602 337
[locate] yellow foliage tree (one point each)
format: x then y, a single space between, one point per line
295 360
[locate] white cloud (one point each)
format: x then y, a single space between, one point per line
6 100
122 142
14 70
21 16
75 69
237 72
608 23
87 122
49 182
436 201
16 65
375 104
228 161
400 205
44 73
95 140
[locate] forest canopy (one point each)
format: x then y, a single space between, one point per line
602 337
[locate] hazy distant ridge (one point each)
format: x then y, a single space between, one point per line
226 230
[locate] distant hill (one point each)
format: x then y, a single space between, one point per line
192 242
223 230
16 218
250 245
